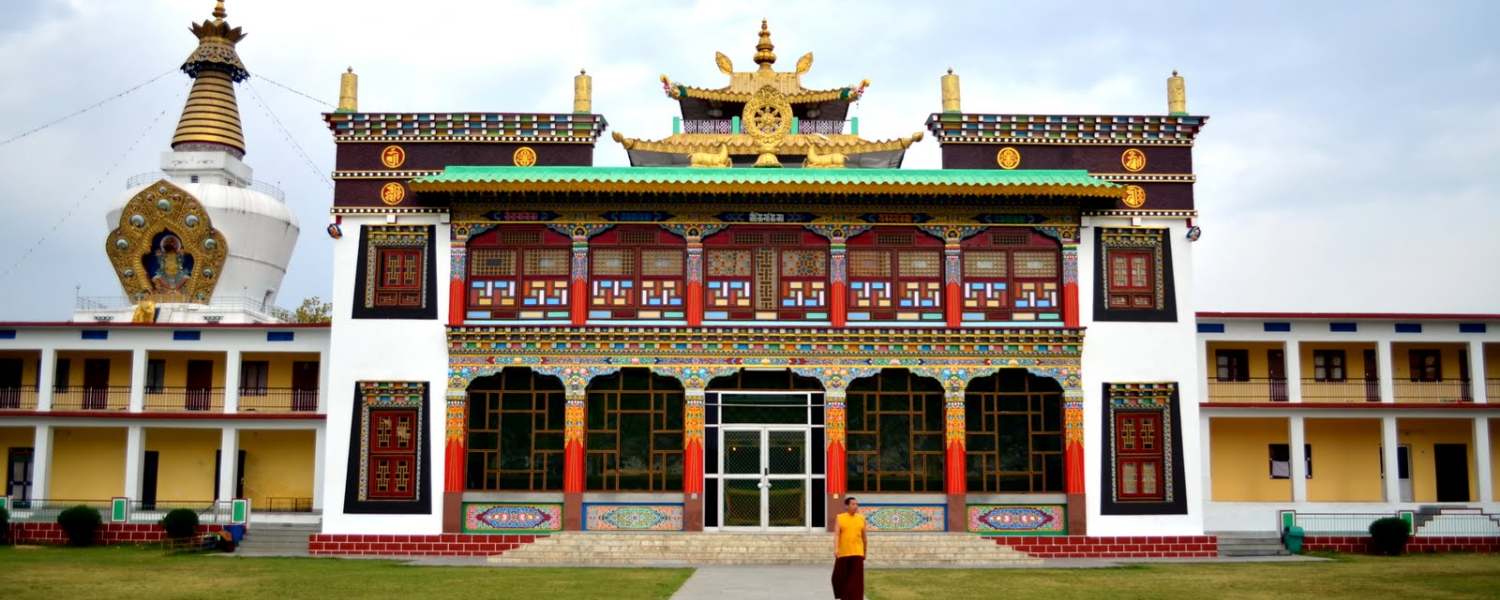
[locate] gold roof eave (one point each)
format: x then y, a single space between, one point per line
739 94
745 144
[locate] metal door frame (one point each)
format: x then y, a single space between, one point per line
766 476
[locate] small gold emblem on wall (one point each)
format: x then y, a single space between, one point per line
1133 160
392 193
393 157
523 157
1135 196
1008 158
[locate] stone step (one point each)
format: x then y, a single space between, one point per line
687 549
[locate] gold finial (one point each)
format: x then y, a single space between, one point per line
219 11
211 117
763 49
1176 95
348 92
583 92
950 92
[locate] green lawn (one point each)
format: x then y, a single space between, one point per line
118 573
1365 577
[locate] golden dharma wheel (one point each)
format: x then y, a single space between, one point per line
523 157
1008 158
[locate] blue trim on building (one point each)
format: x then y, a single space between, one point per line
1472 328
1277 326
94 334
1408 328
1343 327
280 336
7 334
1210 328
187 335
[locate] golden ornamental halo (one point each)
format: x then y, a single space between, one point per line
392 193
1133 159
1008 158
393 157
165 248
523 157
768 120
1135 196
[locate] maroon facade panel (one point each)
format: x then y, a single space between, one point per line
1094 158
366 157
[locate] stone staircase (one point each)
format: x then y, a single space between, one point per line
1250 543
277 539
887 550
1455 521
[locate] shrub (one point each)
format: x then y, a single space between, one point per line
80 524
4 527
1388 536
180 523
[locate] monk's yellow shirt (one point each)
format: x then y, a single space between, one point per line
851 535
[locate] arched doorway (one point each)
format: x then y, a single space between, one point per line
1013 423
633 433
515 432
895 428
764 451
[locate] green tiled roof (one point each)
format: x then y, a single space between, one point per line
691 180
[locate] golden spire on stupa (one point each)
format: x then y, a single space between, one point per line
211 118
763 49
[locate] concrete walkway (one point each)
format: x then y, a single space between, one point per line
758 583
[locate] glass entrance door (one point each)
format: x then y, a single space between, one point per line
766 477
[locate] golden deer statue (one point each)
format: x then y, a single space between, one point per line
718 159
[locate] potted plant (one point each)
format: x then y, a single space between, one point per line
1388 536
81 524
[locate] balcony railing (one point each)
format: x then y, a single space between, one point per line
46 511
1433 392
1249 390
1351 391
819 126
184 399
286 505
114 397
727 126
278 400
720 126
21 397
1492 390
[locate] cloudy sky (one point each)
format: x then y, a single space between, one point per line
1349 164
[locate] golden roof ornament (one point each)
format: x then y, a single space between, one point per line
348 92
950 92
1176 95
763 49
583 92
211 117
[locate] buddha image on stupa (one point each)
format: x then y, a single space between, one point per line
168 266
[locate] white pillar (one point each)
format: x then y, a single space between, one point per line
320 439
1387 372
1205 446
135 455
137 386
323 383
1483 469
229 452
1296 437
1388 444
41 462
1476 372
232 382
46 371
1293 371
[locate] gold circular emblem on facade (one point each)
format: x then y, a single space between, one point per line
523 157
393 157
1133 160
1135 196
392 193
1008 158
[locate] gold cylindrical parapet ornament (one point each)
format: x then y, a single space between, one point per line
349 91
583 92
1176 95
950 93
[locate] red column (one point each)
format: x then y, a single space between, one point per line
838 284
573 456
952 307
955 471
837 469
694 282
578 303
1073 483
692 461
458 251
455 453
1070 285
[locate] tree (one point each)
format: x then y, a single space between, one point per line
314 310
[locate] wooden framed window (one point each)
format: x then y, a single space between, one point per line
1011 274
895 432
519 272
399 280
1139 456
392 454
1425 365
634 424
515 432
1232 365
395 278
895 274
1132 280
636 272
1280 460
1329 365
254 375
766 273
1014 423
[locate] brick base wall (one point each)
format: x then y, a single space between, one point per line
1359 544
448 544
109 533
1077 546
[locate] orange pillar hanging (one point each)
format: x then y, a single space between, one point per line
455 451
1073 484
837 474
694 282
838 283
955 474
952 273
573 457
692 460
578 281
1070 284
458 251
